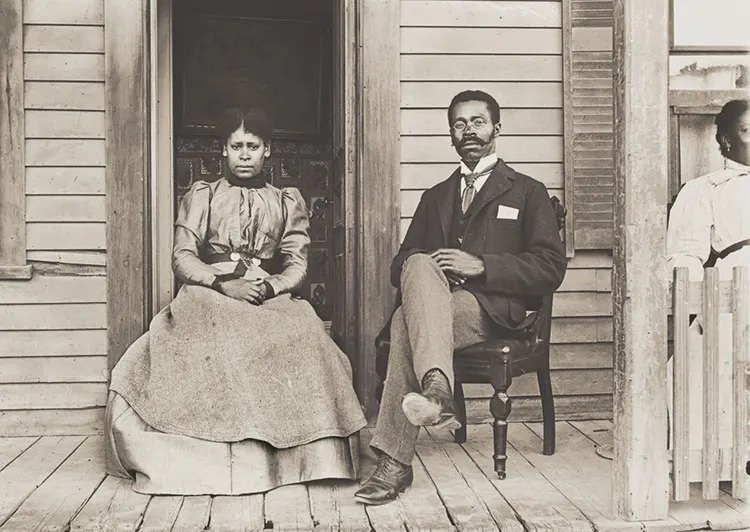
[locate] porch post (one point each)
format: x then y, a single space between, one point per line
640 281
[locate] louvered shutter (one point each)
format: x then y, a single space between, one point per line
588 100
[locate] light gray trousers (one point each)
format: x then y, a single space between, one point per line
430 324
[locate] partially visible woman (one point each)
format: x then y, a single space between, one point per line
236 387
710 222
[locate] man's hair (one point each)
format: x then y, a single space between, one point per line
727 119
251 119
476 96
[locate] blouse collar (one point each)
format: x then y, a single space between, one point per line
731 169
258 181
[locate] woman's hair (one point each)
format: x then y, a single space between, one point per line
727 119
252 120
476 96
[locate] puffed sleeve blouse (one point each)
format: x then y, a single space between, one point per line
711 211
220 217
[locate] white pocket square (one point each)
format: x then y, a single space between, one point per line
507 213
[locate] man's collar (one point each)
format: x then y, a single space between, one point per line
485 163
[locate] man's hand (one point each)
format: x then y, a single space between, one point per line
253 292
458 264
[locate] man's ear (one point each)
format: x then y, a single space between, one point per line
496 129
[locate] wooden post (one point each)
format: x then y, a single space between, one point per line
741 381
640 283
378 177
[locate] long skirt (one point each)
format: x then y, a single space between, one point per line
224 397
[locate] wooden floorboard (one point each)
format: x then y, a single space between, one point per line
56 501
288 508
25 474
333 507
12 448
113 507
388 517
237 514
194 515
161 513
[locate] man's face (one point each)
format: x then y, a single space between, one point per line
246 153
472 130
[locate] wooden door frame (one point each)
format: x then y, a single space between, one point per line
135 155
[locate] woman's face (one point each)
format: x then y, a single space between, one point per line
739 140
246 153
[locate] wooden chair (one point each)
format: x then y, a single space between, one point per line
497 362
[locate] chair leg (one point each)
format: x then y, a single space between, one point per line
459 435
500 406
548 409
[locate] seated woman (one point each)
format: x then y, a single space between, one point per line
710 221
236 388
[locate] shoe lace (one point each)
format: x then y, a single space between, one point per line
385 468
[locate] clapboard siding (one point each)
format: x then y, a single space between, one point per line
53 337
513 50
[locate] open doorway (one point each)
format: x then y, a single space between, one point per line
293 58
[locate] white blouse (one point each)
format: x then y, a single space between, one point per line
710 211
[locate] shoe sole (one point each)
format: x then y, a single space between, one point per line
421 412
370 502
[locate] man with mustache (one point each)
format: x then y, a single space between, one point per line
482 249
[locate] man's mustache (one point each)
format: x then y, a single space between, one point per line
475 140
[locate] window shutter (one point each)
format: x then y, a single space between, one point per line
589 137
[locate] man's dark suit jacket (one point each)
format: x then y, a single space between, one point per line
524 258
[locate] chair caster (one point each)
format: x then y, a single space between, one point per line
501 475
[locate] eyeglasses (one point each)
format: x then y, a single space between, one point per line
476 123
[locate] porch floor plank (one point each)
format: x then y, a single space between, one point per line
56 501
288 508
161 513
237 514
422 505
114 506
575 470
502 513
12 448
194 514
333 507
541 505
388 517
466 509
29 470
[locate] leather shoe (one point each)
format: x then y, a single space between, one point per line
434 406
390 478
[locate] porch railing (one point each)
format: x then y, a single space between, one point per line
710 299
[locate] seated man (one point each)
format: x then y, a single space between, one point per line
483 247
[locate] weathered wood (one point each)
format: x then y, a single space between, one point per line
741 382
711 383
194 514
53 343
65 180
12 448
438 94
12 234
52 395
564 382
161 513
465 508
89 39
416 176
581 356
479 14
53 316
573 407
514 122
640 475
19 479
437 149
238 514
65 152
64 124
16 272
421 501
698 513
128 164
52 422
113 506
587 280
63 67
86 96
714 99
288 508
378 199
481 68
68 263
53 369
680 394
583 330
44 289
65 209
568 136
78 236
64 12
474 40
539 503
333 507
